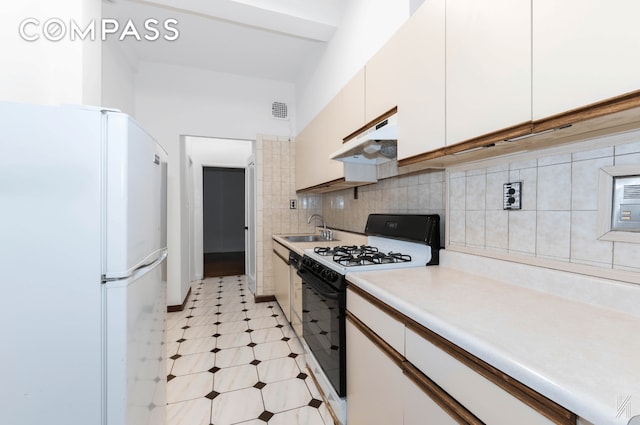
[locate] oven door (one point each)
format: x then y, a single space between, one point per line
323 326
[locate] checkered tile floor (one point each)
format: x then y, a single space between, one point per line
234 361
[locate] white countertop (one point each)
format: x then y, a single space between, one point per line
581 356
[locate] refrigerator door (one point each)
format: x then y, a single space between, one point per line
50 209
135 215
135 369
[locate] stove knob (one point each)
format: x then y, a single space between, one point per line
332 276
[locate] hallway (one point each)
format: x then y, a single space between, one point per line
233 361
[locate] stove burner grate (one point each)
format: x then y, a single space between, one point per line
369 258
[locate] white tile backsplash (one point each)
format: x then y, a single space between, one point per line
522 232
553 234
416 194
554 187
559 204
497 230
584 183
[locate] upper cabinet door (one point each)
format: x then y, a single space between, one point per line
382 79
351 112
421 81
584 51
488 50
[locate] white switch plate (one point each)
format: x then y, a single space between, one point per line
512 196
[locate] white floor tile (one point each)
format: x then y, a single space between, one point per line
191 412
200 331
304 415
232 327
235 378
286 395
197 345
233 340
193 363
266 335
272 350
278 369
237 406
189 387
263 323
205 319
235 356
233 316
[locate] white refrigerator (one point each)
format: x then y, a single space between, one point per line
82 268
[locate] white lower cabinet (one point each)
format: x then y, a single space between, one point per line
281 278
379 389
490 403
399 376
419 409
373 381
296 301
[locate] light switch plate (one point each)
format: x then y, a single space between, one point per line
512 196
293 204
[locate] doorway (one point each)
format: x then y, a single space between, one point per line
223 208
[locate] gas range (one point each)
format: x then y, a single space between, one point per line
393 241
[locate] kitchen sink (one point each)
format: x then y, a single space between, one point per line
307 238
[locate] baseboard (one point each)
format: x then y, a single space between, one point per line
179 307
264 298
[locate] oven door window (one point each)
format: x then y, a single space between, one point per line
323 328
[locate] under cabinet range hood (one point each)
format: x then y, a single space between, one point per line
375 145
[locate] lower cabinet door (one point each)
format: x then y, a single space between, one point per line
420 409
373 383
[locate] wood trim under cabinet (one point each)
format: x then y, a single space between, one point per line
387 349
319 188
180 307
457 411
477 142
370 124
592 111
612 105
550 409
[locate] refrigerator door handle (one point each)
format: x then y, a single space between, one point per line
138 271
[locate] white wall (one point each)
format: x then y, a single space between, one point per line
208 152
365 27
172 101
44 71
118 78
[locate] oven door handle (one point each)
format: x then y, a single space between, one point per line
318 285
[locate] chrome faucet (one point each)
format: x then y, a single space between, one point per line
326 233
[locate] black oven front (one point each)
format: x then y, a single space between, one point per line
323 319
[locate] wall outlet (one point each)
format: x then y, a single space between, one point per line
512 196
293 204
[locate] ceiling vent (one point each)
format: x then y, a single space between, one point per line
279 111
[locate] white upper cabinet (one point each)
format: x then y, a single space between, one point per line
584 51
351 112
488 57
409 72
421 99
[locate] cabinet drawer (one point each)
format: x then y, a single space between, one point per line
385 326
483 398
